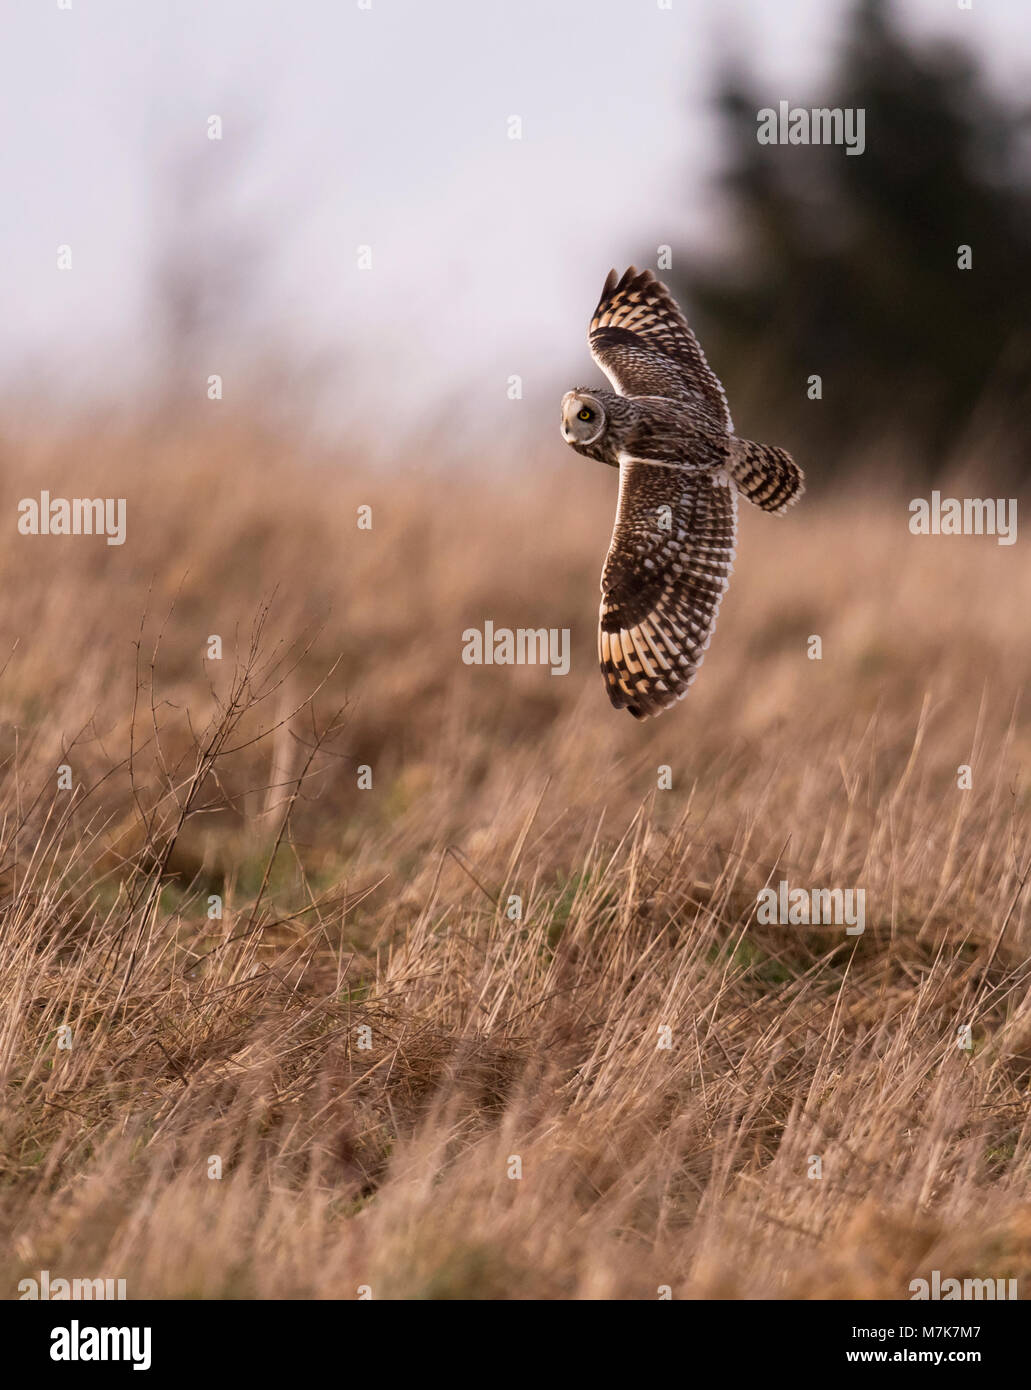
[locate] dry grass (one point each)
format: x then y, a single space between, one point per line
345 909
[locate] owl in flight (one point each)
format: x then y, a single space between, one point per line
666 427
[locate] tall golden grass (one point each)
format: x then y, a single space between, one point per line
380 917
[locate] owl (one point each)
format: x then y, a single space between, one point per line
666 427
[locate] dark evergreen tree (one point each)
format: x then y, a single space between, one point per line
846 265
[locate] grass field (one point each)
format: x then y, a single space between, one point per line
365 1040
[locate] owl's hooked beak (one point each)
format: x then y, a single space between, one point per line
567 429
570 405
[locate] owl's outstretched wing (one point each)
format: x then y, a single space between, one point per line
642 342
668 566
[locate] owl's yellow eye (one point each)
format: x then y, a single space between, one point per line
584 414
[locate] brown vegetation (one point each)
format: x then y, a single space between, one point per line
388 1166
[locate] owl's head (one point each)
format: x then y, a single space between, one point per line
583 417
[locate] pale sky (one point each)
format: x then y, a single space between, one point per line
384 127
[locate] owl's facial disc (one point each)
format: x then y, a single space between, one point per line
583 418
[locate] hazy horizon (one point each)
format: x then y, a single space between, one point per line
488 253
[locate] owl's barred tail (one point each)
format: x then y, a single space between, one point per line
767 476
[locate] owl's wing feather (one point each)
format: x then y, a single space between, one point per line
669 563
642 342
